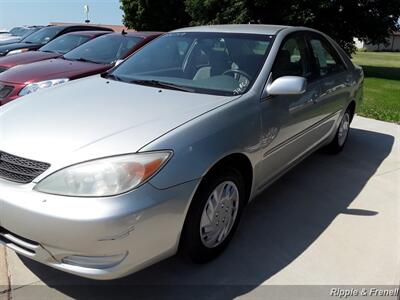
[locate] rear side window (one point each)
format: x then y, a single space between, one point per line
292 59
326 58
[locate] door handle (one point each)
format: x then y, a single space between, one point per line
314 98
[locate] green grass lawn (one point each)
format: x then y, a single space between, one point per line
381 86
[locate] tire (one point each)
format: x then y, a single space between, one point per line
197 244
342 134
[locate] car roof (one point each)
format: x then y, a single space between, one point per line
237 28
33 26
89 32
63 27
142 34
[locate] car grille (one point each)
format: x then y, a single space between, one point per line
5 90
20 169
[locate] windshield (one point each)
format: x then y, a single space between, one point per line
28 32
106 49
65 43
213 63
17 31
42 36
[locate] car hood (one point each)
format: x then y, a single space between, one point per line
6 36
93 118
50 69
9 40
15 46
26 58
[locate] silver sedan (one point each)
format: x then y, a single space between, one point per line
106 175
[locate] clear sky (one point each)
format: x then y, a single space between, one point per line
41 12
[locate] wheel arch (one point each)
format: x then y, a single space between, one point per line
238 161
352 107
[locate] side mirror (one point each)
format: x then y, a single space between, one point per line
119 61
287 85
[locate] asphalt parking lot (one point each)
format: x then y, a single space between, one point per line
331 221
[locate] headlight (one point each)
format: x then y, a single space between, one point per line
33 87
104 177
17 51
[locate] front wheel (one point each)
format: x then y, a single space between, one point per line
213 215
342 134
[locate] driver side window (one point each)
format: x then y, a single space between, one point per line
291 59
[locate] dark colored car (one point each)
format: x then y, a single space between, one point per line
18 34
43 36
93 57
56 48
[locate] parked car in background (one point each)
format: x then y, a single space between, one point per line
93 57
17 36
14 32
53 49
43 36
110 174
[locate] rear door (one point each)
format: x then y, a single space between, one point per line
330 70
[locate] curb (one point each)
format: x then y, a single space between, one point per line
5 286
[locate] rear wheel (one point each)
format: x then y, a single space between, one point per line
213 215
342 134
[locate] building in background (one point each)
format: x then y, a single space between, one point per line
393 44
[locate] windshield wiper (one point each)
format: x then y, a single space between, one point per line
162 84
85 60
111 76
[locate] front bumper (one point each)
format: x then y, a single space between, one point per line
98 238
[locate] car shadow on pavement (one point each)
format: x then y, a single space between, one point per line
275 230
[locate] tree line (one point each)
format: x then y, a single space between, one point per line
343 20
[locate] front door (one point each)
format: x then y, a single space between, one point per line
287 119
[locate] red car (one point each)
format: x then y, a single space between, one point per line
93 57
53 49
